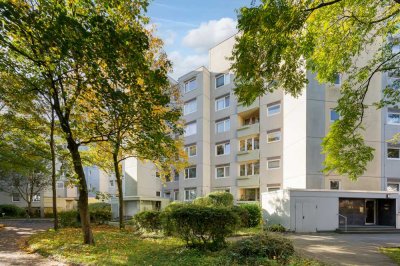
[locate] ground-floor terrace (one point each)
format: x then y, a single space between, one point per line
303 210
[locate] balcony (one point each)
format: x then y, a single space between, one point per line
248 130
248 181
252 155
249 195
241 108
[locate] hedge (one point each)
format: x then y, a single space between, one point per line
148 220
10 210
254 212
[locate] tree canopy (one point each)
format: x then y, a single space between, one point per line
280 39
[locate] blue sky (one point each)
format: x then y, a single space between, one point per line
190 27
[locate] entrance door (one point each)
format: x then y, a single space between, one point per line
370 209
305 217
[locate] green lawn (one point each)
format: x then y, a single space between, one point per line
393 253
123 248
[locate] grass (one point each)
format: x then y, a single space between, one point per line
114 247
393 253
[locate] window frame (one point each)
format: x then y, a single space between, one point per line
189 124
36 197
273 160
330 115
187 150
187 176
188 82
274 132
246 167
223 144
12 197
225 167
393 148
223 98
226 77
387 117
190 189
186 104
335 180
224 121
272 105
252 144
60 182
393 183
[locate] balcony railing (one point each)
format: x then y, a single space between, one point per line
248 130
241 108
251 155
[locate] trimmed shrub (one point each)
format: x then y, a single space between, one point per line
243 215
276 228
69 219
254 214
223 199
203 226
270 246
100 212
12 211
148 220
167 223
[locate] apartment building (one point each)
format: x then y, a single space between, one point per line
273 147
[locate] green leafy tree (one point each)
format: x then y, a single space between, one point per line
280 39
73 53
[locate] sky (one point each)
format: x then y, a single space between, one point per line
190 27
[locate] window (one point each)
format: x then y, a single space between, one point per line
334 184
251 120
176 195
190 107
274 135
392 187
393 117
36 197
176 175
158 194
111 183
334 116
190 172
249 144
223 148
222 171
60 185
222 80
15 197
223 125
248 169
167 195
190 129
222 103
270 189
393 153
191 150
274 163
273 109
338 79
190 193
190 85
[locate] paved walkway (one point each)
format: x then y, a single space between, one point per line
347 249
10 237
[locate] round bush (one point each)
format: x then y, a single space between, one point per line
254 214
243 215
148 220
69 218
271 246
203 226
276 228
100 212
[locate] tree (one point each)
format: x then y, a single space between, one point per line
141 125
25 160
280 39
73 53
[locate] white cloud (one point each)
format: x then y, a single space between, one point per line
169 39
184 64
210 33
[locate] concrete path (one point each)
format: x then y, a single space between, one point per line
346 249
15 232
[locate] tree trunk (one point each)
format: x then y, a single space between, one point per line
53 171
29 208
83 191
119 186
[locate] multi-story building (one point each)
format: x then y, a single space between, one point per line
273 148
